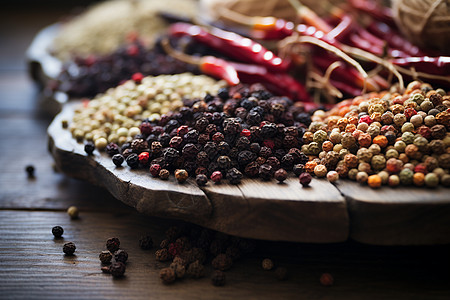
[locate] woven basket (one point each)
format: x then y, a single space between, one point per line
425 22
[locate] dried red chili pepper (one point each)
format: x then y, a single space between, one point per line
278 30
233 45
219 68
373 9
432 65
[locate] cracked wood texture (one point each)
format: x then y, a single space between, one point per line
253 209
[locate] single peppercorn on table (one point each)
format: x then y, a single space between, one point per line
33 266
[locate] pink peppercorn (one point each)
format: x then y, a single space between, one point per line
216 176
146 128
137 77
143 158
365 119
154 170
424 131
420 168
409 112
305 179
133 50
182 130
245 132
174 249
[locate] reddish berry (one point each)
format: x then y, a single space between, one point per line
305 179
245 132
143 158
146 128
154 170
216 176
137 77
133 50
174 249
420 168
409 112
182 130
365 119
90 60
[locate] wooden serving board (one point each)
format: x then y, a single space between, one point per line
322 213
253 209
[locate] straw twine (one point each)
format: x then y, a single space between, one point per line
425 22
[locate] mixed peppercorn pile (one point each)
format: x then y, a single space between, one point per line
377 138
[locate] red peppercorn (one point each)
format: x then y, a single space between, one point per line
216 176
146 128
137 77
182 130
133 50
420 168
174 249
269 143
365 119
409 112
154 170
245 132
305 179
143 158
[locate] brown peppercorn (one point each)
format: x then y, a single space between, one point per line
121 256
305 179
267 264
178 268
181 175
280 175
117 269
69 248
222 262
326 279
164 174
167 275
113 244
105 257
162 254
218 278
281 273
196 270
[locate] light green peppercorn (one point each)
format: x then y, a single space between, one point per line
440 92
362 177
431 180
364 155
313 149
343 153
421 143
445 180
400 146
393 180
375 149
426 105
384 177
408 137
391 153
352 174
373 130
378 162
408 127
399 119
320 136
430 121
406 176
418 98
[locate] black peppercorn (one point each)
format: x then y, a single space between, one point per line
69 248
121 256
223 93
112 149
252 169
245 157
298 169
118 159
218 278
30 171
117 269
105 257
201 179
146 242
265 171
133 160
89 148
57 231
234 176
223 162
113 244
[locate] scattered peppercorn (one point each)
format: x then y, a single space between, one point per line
57 231
281 175
146 242
218 278
267 264
69 248
113 244
117 269
121 256
332 176
326 279
196 270
162 254
73 212
105 257
118 159
201 179
164 174
30 171
281 273
181 175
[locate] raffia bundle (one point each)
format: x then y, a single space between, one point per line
425 22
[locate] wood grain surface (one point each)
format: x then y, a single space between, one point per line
32 265
253 209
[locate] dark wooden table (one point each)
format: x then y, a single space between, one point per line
32 264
